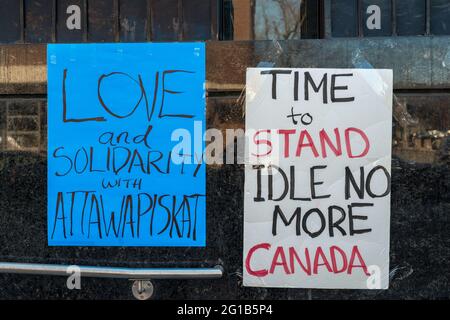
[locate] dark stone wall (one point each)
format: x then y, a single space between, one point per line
419 247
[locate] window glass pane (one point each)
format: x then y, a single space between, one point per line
165 20
279 19
102 24
10 21
344 18
440 17
197 20
411 17
264 19
133 20
38 20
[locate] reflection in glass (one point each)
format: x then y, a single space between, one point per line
265 19
422 128
23 125
277 19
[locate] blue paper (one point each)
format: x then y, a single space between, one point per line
115 174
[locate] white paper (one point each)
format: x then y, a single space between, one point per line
362 259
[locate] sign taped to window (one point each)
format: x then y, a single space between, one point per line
317 178
117 174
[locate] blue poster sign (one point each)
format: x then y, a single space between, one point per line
125 144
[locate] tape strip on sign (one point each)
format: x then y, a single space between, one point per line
117 174
317 178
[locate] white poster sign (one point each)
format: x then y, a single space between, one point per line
317 178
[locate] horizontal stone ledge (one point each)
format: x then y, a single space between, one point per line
418 62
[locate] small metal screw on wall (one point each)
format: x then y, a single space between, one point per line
142 289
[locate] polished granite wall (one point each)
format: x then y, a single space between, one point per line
420 216
420 222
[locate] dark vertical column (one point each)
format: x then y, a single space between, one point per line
133 20
411 17
344 18
11 22
376 18
39 21
71 21
440 17
165 19
102 20
196 19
